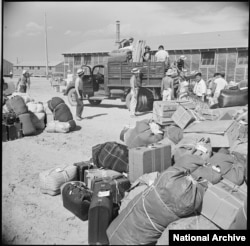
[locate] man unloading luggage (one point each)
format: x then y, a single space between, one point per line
79 94
146 56
219 84
135 83
167 86
180 63
24 82
162 56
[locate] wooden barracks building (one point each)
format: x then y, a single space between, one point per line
225 51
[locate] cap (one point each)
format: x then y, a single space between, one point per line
80 71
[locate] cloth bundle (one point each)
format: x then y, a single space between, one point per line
51 180
17 104
26 97
111 155
141 135
35 107
58 127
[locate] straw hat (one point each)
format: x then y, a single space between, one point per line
24 71
182 57
80 71
170 72
135 70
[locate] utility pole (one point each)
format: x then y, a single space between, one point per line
46 45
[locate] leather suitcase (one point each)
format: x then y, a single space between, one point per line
12 132
155 157
76 198
118 185
81 168
100 215
4 133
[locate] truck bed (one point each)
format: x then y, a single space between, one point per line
119 74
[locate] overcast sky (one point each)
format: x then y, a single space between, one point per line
70 23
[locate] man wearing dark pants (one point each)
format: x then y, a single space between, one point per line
79 93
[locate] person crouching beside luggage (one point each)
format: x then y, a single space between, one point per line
167 86
24 82
135 83
79 94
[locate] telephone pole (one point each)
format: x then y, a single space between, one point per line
46 45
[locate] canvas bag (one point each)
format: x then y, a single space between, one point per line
52 179
173 195
17 105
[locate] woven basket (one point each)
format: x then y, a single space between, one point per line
52 179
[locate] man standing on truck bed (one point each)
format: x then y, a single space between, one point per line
79 94
162 55
135 83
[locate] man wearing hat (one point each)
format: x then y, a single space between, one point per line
146 56
23 82
200 87
167 86
135 83
79 93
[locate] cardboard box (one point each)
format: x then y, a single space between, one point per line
222 202
222 133
163 114
182 117
162 120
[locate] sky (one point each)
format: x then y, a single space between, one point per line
71 23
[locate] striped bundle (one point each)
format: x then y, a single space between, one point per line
51 180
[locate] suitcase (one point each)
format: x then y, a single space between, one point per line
118 185
100 215
76 198
91 174
4 133
155 157
81 168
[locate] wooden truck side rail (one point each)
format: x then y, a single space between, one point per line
119 74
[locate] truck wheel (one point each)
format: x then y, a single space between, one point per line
128 100
72 97
95 102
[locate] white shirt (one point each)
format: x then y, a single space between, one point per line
200 88
220 85
161 55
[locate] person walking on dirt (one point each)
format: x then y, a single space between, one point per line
167 86
23 82
79 93
135 83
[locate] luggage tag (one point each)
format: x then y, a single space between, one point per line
103 193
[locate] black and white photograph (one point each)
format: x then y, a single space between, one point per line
124 123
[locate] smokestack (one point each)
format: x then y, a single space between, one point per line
117 32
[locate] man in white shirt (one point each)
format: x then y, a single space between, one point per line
162 55
219 84
200 87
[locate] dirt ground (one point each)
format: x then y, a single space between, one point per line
30 217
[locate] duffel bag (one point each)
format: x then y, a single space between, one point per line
76 198
230 168
141 135
52 179
233 98
62 113
17 104
111 155
27 124
195 222
119 58
38 120
173 195
54 102
57 126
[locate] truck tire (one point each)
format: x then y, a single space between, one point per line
128 100
72 97
94 102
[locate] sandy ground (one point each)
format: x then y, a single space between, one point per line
30 217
